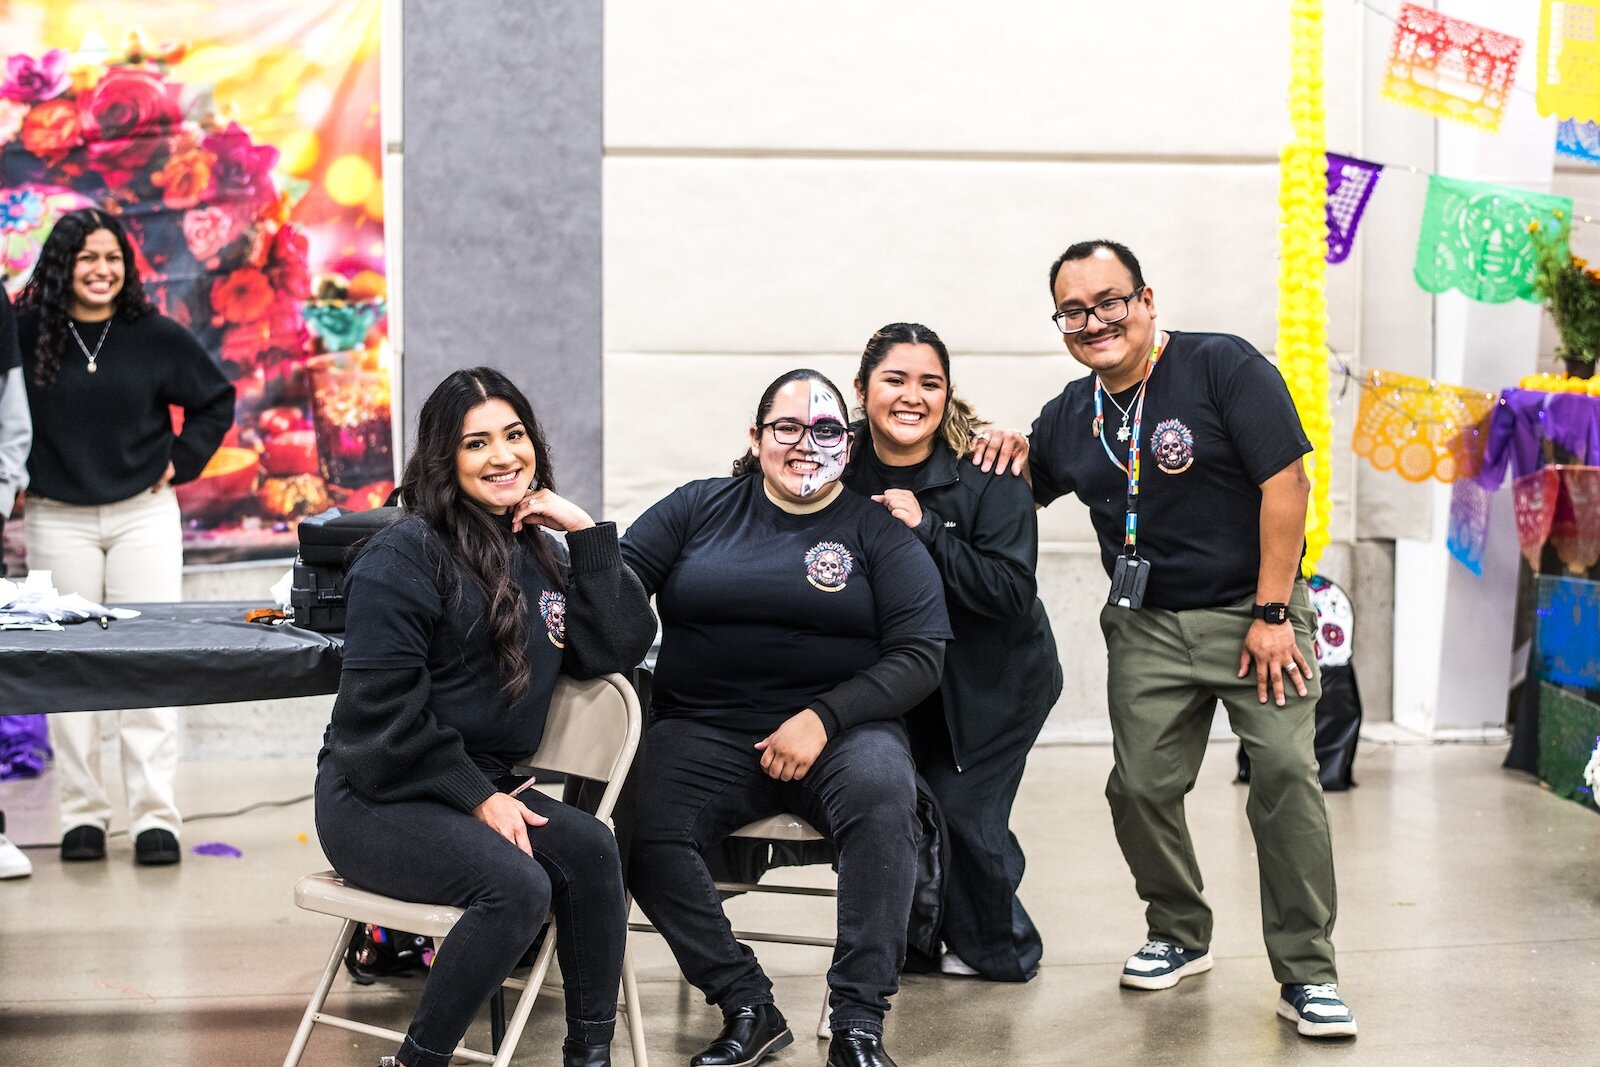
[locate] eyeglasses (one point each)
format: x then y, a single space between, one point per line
1115 309
825 432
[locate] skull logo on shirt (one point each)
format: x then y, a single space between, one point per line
828 565
1173 443
553 610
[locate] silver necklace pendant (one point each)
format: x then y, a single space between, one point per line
1123 433
90 356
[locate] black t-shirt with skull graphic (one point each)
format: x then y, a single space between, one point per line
1218 421
763 611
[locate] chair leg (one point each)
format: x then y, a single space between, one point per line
630 997
824 1030
320 996
497 1019
519 1017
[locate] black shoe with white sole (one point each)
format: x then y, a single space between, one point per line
1162 965
1317 1011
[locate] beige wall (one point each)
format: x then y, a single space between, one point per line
781 179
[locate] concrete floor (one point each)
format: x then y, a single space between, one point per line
1469 934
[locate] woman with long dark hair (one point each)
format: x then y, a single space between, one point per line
971 738
459 617
799 623
103 370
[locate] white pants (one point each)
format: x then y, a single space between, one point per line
127 552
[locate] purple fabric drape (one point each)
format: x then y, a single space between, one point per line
1525 419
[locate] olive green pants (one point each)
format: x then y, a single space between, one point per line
1167 670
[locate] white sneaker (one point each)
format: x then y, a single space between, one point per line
950 963
14 863
1162 965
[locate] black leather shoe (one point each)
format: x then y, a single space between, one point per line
156 848
857 1048
577 1054
749 1035
83 843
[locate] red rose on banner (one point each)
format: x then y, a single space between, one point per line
243 171
131 103
243 296
51 130
286 263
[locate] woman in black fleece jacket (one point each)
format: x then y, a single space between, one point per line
460 617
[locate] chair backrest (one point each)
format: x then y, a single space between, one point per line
592 732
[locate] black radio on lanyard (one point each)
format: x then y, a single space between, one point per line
1131 573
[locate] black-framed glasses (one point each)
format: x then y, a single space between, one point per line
1108 311
825 432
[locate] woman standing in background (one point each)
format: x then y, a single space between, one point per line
102 370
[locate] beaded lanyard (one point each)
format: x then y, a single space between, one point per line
1131 536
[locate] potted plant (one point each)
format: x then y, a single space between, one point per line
1571 292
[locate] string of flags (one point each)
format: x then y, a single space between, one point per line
1475 236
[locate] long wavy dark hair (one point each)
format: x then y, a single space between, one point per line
479 543
960 420
750 463
50 287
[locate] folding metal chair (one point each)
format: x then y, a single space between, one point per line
592 732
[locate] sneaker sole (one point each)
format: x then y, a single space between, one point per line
777 1044
1308 1028
1171 978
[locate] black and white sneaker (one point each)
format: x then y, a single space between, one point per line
1162 965
1317 1011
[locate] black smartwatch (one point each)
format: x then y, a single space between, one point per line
1273 614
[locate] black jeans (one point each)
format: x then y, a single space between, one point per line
698 782
429 852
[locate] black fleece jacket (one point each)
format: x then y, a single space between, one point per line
1001 674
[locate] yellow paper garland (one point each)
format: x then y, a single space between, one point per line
1302 300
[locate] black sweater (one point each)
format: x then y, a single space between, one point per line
765 613
419 714
107 436
1001 674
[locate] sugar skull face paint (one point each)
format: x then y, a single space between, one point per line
798 470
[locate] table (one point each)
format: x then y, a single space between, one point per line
172 654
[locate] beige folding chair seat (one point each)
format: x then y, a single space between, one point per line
592 732
784 827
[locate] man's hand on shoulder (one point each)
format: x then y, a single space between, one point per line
993 449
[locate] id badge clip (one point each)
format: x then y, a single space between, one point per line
1129 576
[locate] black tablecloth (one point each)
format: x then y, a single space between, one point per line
195 653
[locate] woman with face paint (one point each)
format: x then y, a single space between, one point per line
799 623
1001 676
460 617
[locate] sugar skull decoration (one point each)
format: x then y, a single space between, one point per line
553 610
1335 622
828 566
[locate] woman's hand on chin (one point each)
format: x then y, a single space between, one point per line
510 818
541 507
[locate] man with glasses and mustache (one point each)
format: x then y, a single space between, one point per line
1187 449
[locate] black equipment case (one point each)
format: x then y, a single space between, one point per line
329 543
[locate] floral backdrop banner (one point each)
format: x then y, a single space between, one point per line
240 144
1475 237
1569 59
1451 68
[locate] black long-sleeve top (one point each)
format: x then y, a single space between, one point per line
419 713
107 436
1001 673
765 613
